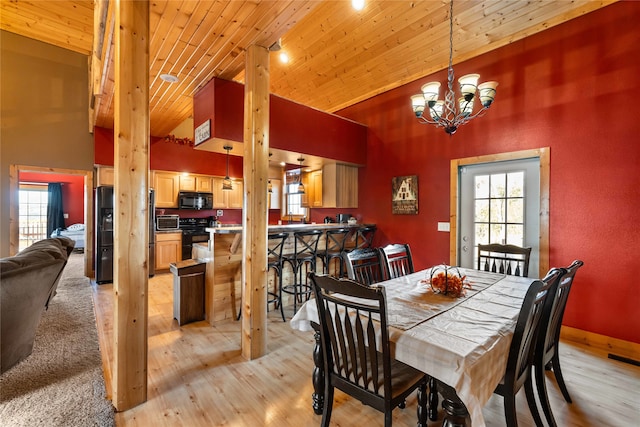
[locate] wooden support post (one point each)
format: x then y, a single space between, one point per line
131 207
255 169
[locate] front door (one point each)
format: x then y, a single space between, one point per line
499 202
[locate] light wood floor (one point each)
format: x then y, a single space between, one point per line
197 377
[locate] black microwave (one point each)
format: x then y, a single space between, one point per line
193 200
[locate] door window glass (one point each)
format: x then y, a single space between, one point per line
32 214
499 209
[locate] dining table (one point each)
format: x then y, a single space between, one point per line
462 341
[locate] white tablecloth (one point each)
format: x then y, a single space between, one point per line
465 346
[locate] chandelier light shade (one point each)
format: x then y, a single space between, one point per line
451 113
226 182
301 185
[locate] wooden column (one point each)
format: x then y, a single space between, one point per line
256 165
131 210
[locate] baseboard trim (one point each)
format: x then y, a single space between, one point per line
624 349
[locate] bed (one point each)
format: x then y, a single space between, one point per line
75 232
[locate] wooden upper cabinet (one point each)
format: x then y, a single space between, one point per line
236 196
104 175
204 184
275 196
201 183
167 187
187 183
316 185
227 199
339 186
312 181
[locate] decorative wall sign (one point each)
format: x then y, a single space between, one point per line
203 132
404 195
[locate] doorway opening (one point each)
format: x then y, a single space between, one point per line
14 223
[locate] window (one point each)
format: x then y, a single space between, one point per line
32 216
293 209
499 208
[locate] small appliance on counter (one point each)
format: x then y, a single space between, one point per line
167 222
343 218
329 220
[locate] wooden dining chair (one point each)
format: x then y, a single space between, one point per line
364 266
547 355
354 360
507 259
537 304
397 260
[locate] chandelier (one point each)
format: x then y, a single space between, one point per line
446 113
226 182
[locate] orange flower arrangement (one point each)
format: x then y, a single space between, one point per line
447 280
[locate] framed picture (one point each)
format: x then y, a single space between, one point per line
404 195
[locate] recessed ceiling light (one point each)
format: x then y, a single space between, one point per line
357 4
170 78
284 58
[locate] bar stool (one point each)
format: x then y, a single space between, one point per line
275 261
334 248
303 260
364 236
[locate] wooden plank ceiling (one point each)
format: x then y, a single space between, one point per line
338 56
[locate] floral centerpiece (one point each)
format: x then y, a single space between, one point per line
447 280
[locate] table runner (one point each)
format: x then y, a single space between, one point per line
410 301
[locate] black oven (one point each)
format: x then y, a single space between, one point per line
193 231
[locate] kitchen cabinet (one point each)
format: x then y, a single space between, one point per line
227 199
187 183
275 196
201 183
167 187
168 249
312 181
104 176
339 186
204 184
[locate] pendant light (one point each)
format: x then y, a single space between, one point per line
301 185
226 182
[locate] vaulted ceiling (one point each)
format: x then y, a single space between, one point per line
338 56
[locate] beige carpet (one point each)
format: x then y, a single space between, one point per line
61 382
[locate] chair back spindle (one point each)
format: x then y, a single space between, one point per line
505 259
364 266
356 351
397 260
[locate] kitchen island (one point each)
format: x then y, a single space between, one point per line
223 256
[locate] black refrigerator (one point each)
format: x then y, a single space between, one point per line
104 234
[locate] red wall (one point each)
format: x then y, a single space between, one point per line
72 192
292 126
571 88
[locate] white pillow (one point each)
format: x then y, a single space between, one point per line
75 227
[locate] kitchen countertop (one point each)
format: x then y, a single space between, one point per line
230 229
